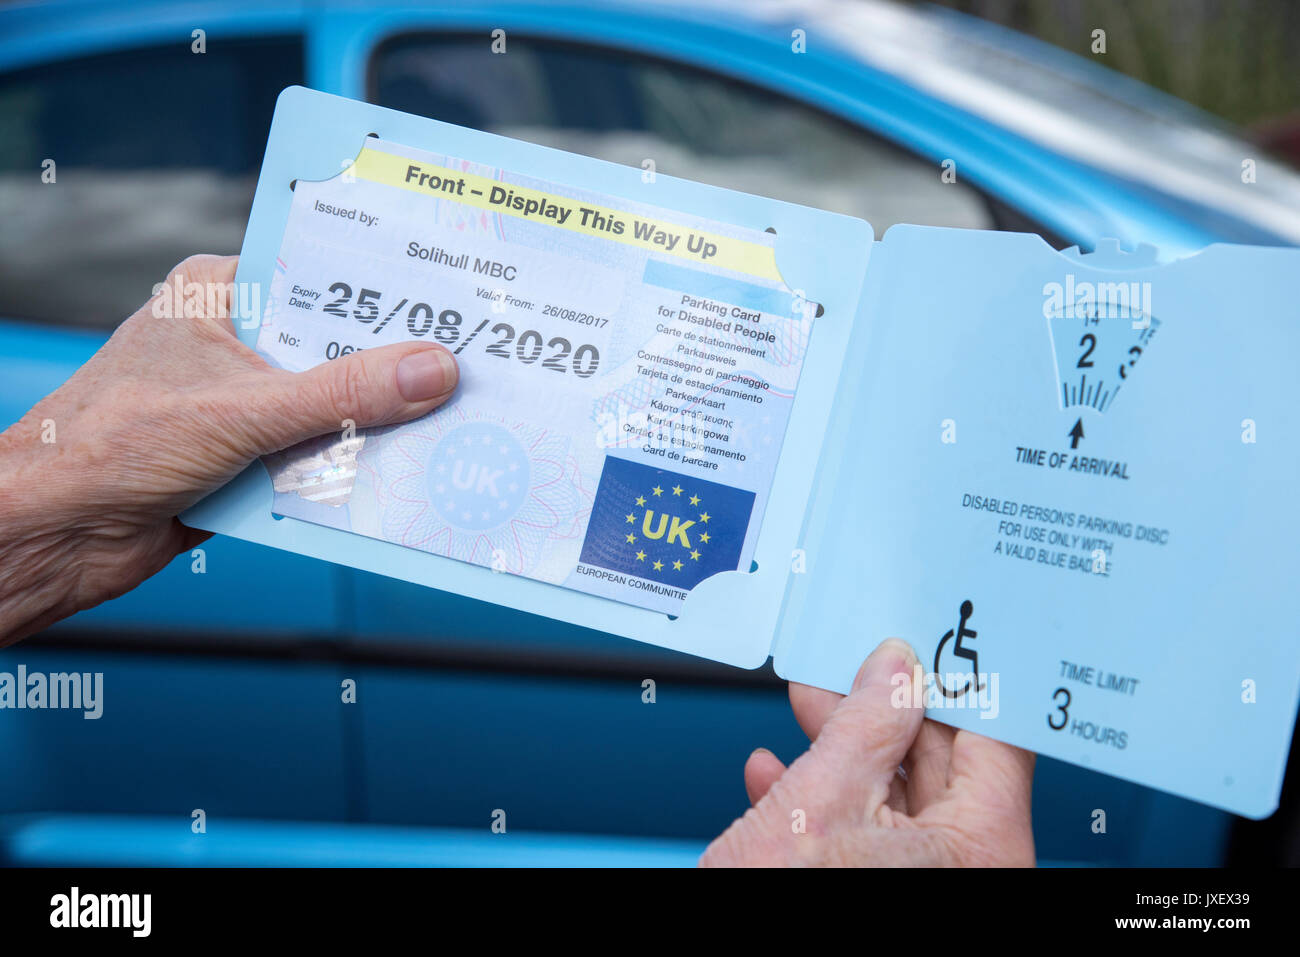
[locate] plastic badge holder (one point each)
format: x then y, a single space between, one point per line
868 531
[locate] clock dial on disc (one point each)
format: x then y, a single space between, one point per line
1097 355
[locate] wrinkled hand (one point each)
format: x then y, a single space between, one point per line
959 799
167 411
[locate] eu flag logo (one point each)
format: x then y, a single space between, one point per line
663 526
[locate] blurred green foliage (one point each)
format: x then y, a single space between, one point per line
1234 58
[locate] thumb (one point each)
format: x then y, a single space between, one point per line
369 387
871 730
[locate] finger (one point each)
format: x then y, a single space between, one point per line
812 706
761 771
927 765
992 773
873 728
209 266
898 792
199 287
191 538
372 387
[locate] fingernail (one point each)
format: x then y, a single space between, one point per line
426 374
891 657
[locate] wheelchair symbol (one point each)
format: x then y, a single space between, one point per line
959 651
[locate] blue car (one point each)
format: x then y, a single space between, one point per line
131 136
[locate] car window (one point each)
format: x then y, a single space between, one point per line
694 124
156 153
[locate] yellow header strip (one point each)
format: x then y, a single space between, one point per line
694 245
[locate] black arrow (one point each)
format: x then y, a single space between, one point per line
1076 434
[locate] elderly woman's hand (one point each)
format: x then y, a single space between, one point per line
167 411
883 786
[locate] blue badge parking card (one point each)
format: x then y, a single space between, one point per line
628 372
740 428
